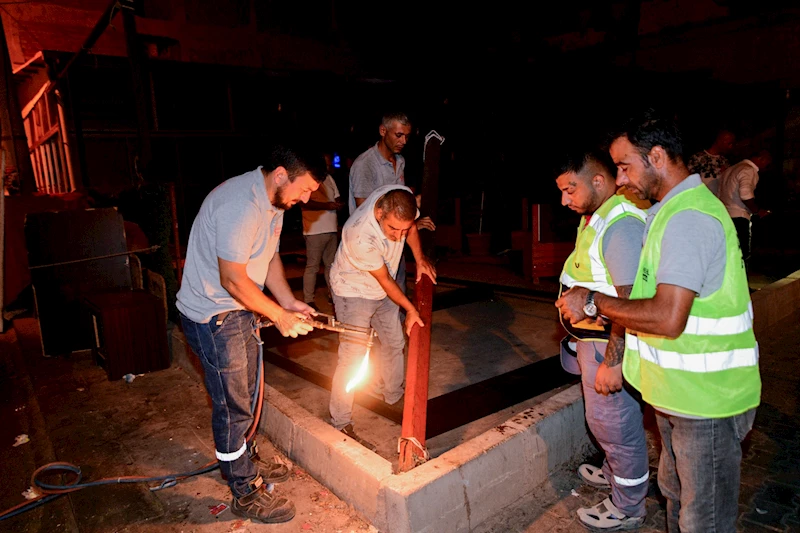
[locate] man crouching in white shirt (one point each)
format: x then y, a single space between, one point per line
366 294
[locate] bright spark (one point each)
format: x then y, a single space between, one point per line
361 374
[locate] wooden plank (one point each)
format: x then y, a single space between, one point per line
415 408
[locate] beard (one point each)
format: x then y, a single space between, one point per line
649 184
279 201
590 206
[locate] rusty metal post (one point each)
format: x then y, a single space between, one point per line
176 236
415 408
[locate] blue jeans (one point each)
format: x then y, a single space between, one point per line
699 468
616 422
229 353
384 317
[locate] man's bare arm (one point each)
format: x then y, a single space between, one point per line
395 294
234 279
664 314
616 341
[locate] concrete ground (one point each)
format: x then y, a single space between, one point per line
156 425
769 498
160 423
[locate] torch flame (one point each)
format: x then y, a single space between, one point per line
361 374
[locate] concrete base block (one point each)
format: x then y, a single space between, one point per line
449 494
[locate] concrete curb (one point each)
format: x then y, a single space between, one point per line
775 302
454 492
451 493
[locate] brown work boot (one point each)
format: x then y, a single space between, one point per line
350 432
262 506
271 472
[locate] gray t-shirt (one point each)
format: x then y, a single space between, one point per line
693 247
622 246
370 171
236 223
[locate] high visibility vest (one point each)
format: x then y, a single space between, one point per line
586 266
711 369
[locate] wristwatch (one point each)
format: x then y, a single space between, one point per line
590 309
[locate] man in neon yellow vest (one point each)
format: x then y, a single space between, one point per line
605 259
690 347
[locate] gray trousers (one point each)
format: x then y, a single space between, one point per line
318 247
383 316
699 471
616 422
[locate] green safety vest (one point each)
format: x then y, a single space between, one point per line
711 369
586 266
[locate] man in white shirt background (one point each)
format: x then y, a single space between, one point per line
366 294
737 187
320 231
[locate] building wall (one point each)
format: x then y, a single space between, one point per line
231 32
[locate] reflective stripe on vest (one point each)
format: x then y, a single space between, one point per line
596 276
729 325
693 362
596 286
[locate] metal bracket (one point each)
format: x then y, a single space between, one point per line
431 134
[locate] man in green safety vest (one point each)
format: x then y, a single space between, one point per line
689 348
605 259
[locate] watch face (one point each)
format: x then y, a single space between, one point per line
590 309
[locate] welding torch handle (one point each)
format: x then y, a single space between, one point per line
338 327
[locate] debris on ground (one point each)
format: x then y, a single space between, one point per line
238 525
574 493
217 509
21 439
30 494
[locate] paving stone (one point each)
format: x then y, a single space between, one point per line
780 494
772 514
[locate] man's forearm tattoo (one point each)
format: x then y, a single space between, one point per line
616 342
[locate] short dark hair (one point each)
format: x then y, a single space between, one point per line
583 159
650 128
400 203
297 162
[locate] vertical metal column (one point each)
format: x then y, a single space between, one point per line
415 408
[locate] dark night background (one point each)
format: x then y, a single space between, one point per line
509 84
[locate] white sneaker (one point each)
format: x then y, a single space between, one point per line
591 475
606 517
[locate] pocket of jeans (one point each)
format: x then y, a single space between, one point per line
743 423
215 325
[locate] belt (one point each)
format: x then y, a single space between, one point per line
221 317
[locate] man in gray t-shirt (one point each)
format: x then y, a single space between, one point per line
381 165
232 256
